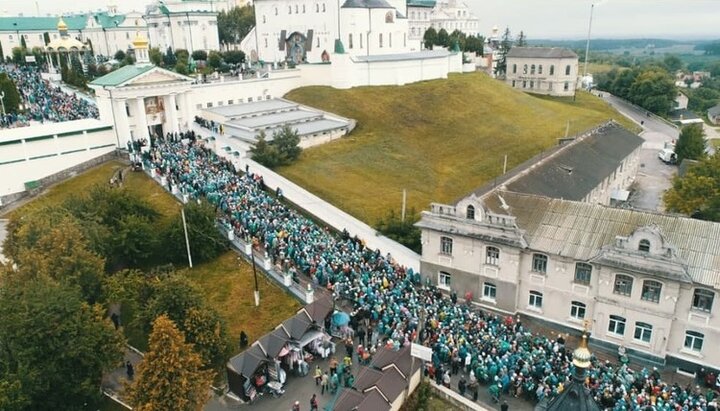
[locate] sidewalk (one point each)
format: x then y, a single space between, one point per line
319 208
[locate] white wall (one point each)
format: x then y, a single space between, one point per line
542 83
25 159
194 31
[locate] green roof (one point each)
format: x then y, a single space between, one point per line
107 21
122 75
421 3
41 23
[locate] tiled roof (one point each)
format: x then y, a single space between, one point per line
122 75
541 52
580 230
574 171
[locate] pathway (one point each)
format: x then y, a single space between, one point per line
319 208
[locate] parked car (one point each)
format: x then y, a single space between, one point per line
667 156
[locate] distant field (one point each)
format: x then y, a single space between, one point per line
438 139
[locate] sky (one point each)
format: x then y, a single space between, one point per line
539 19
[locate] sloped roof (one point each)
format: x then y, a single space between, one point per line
107 21
714 111
247 362
400 358
48 24
575 170
541 52
574 397
318 309
273 342
366 4
421 3
350 400
122 75
580 230
296 326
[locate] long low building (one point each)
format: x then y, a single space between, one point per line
640 279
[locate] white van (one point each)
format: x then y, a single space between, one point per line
667 156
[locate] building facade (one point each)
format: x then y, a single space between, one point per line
643 280
454 15
419 14
189 25
542 70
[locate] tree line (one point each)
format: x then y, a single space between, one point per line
464 42
68 266
650 87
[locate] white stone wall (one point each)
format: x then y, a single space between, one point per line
192 31
542 82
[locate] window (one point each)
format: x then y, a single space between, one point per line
623 285
532 69
514 68
513 83
296 9
644 246
470 212
317 8
390 40
323 7
540 69
230 102
444 280
10 37
266 43
703 300
318 41
361 42
535 299
350 42
489 291
651 291
583 272
524 83
539 263
567 86
209 105
289 9
643 332
389 17
276 11
694 340
532 84
303 8
380 39
552 70
446 244
577 310
567 70
616 325
264 21
492 255
525 69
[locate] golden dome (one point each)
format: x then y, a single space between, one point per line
61 24
582 355
140 41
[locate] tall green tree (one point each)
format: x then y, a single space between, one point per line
691 143
155 56
119 55
287 142
505 45
697 193
54 348
430 38
214 60
521 40
206 242
265 153
235 24
443 38
199 55
654 89
171 375
233 56
169 58
12 96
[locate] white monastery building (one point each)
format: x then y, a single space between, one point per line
542 70
180 24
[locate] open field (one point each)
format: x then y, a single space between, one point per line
438 139
226 281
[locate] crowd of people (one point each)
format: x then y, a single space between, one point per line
41 101
485 349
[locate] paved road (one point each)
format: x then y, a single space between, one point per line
311 203
653 177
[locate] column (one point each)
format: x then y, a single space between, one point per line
141 126
187 112
122 127
171 114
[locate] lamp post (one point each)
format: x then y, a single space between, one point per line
252 258
587 45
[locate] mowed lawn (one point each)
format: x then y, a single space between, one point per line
439 139
227 282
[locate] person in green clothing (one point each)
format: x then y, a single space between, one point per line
349 381
494 391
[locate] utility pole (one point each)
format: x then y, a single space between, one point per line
403 204
505 165
187 240
257 291
587 45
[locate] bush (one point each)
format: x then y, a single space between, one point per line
283 150
119 55
199 55
12 97
404 232
206 242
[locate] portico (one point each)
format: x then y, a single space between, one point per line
142 100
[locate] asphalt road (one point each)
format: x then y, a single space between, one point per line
654 176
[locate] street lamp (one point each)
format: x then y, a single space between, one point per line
587 45
252 258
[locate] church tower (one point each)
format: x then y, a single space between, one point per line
576 396
140 46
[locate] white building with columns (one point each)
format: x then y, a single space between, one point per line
142 100
180 24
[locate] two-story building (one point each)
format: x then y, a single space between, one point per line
640 279
181 24
542 70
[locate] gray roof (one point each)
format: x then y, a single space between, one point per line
366 4
240 110
351 400
541 52
580 230
574 397
714 111
576 169
418 55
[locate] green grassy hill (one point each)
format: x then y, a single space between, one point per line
438 139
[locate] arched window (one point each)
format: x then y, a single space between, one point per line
289 9
323 7
514 68
536 299
296 9
470 212
616 325
577 310
552 70
350 42
694 340
623 285
644 245
532 70
489 291
303 8
446 245
540 69
276 11
380 39
492 255
651 291
389 18
525 67
317 8
643 332
567 70
264 21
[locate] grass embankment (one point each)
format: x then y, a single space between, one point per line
226 282
438 139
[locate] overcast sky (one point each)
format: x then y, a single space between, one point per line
563 19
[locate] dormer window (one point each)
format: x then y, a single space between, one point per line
644 246
470 212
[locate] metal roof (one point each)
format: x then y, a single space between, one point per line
366 4
122 75
579 167
350 400
580 230
714 111
49 24
541 52
421 3
246 109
